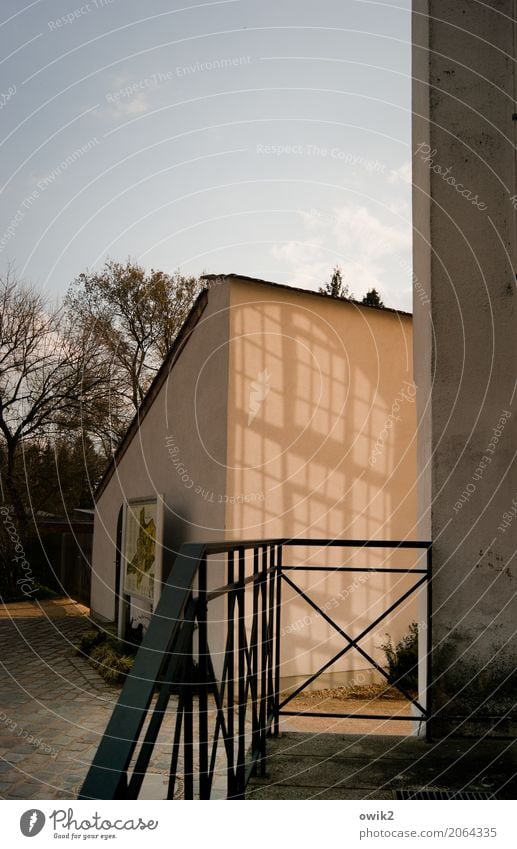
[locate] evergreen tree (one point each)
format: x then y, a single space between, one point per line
335 287
373 299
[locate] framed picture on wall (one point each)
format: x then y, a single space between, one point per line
142 548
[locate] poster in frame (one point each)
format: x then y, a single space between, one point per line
142 549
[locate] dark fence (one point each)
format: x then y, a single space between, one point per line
204 692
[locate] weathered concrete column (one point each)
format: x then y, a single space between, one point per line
465 330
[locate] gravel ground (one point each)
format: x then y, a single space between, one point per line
373 699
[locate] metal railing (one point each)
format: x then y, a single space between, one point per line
204 691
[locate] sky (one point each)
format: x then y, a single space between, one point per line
269 138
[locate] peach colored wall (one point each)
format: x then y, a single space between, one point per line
276 405
314 386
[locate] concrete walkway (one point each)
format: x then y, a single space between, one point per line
357 766
53 705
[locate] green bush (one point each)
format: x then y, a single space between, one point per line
89 640
110 662
111 658
402 659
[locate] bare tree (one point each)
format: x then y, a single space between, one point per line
134 316
51 379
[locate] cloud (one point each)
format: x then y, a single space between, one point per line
298 252
357 240
138 104
127 97
404 173
355 229
306 261
360 233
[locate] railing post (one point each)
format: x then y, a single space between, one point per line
254 658
429 646
278 622
270 633
188 726
123 787
230 685
241 715
204 778
263 657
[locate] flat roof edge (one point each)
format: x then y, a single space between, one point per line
215 279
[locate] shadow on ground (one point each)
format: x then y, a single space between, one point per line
359 766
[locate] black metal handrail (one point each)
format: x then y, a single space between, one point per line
224 696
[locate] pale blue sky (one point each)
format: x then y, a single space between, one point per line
270 138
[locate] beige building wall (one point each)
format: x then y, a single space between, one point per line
285 414
321 444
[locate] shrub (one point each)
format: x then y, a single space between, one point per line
89 640
110 658
402 659
111 664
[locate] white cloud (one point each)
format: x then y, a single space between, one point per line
359 232
303 260
357 240
298 252
127 97
138 104
403 173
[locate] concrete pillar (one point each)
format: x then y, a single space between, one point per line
465 330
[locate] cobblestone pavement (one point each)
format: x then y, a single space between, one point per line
54 706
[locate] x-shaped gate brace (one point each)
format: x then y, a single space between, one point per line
424 712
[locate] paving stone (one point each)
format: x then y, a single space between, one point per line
28 790
24 749
15 757
10 743
67 708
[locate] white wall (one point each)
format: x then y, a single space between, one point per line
190 411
